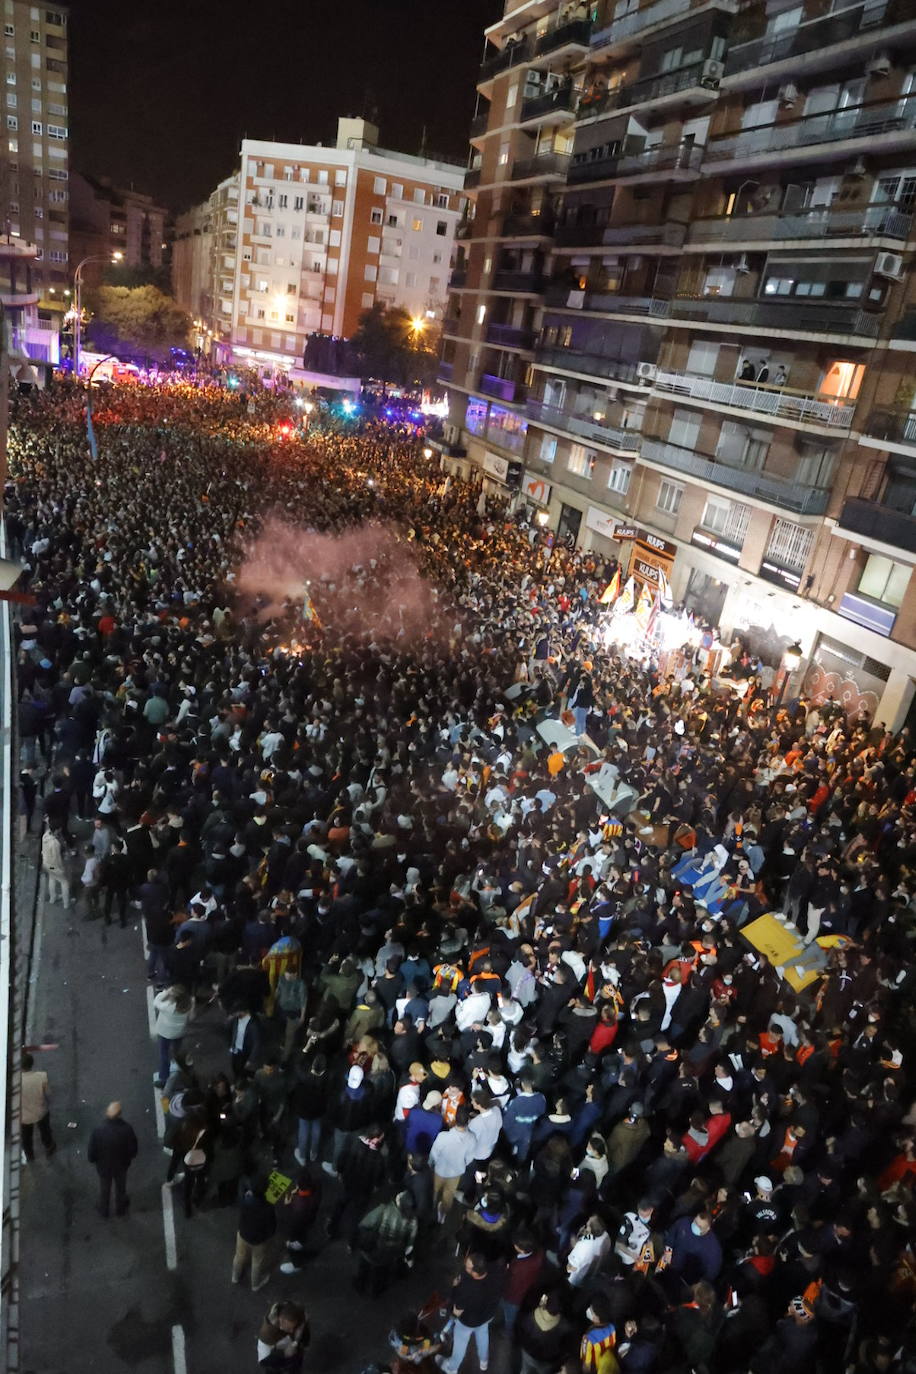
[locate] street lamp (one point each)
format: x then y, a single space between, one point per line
427 453
790 662
78 319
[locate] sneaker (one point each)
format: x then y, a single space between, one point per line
299 1157
294 1245
328 1168
256 1287
289 1268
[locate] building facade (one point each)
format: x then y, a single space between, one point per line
686 303
203 265
106 220
34 158
320 234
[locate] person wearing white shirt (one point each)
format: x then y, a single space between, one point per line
592 1244
485 1126
472 1011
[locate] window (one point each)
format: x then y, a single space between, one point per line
417 226
334 239
581 461
290 288
884 580
370 273
299 202
685 428
619 478
12 100
419 196
413 253
379 186
259 313
368 300
337 209
263 285
442 201
340 177
11 78
375 216
56 17
35 35
441 228
323 177
290 319
388 276
12 122
397 191
669 497
392 221
283 201
789 545
372 245
548 449
281 231
9 30
729 519
410 279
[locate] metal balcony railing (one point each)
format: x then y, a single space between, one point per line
898 426
445 371
644 92
875 221
561 100
856 122
577 32
779 491
559 293
527 226
504 388
552 165
585 427
601 235
680 157
471 178
815 35
509 336
510 56
589 364
529 282
479 125
778 402
795 313
874 521
459 277
637 20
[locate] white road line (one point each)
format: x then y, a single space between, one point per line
168 1226
36 966
151 1013
179 1354
145 943
160 1114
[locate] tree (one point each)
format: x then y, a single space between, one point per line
137 320
391 347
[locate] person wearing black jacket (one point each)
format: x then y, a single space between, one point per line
112 1147
116 877
308 1103
256 1229
362 1166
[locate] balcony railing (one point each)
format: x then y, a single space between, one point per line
585 427
815 35
552 165
779 491
459 277
509 336
628 24
779 402
558 293
680 157
876 221
794 313
874 521
531 283
856 122
471 178
479 125
589 364
504 388
510 56
527 226
576 33
897 426
644 92
601 235
446 371
452 325
561 100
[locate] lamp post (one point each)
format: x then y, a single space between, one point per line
78 317
790 661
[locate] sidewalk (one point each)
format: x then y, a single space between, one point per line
100 1295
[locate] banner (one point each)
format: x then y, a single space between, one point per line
536 490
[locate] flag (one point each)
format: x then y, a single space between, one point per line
612 590
653 615
644 608
664 589
309 612
90 433
482 504
627 598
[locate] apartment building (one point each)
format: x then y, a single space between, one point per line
203 266
685 303
106 219
326 232
34 153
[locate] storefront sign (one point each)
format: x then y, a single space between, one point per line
625 532
496 467
716 546
536 490
649 572
651 557
782 577
601 522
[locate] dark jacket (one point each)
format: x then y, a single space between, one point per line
112 1146
257 1218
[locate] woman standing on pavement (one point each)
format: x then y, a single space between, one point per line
173 1010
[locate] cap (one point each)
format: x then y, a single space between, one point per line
431 1101
765 1185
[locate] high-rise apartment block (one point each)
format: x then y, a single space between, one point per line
106 220
203 262
324 233
34 157
686 305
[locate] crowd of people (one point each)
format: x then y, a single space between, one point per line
462 997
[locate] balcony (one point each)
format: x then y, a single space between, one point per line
693 83
800 315
452 327
873 222
895 426
647 17
458 278
609 302
584 427
777 402
472 178
777 491
527 226
555 107
503 388
522 283
565 38
814 35
445 371
508 336
892 121
678 157
510 56
479 125
544 167
588 364
602 235
870 520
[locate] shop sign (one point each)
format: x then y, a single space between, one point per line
536 490
495 466
716 546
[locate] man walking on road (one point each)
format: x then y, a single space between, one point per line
112 1146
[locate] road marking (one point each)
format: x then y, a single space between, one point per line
179 1353
36 968
160 1114
144 940
151 1013
168 1226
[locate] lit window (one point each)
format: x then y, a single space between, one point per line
417 226
884 580
581 461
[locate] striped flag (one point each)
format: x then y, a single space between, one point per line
612 590
653 615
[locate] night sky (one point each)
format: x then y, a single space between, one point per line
162 92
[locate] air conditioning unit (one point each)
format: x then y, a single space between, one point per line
742 265
880 65
712 74
857 168
889 265
788 94
646 372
